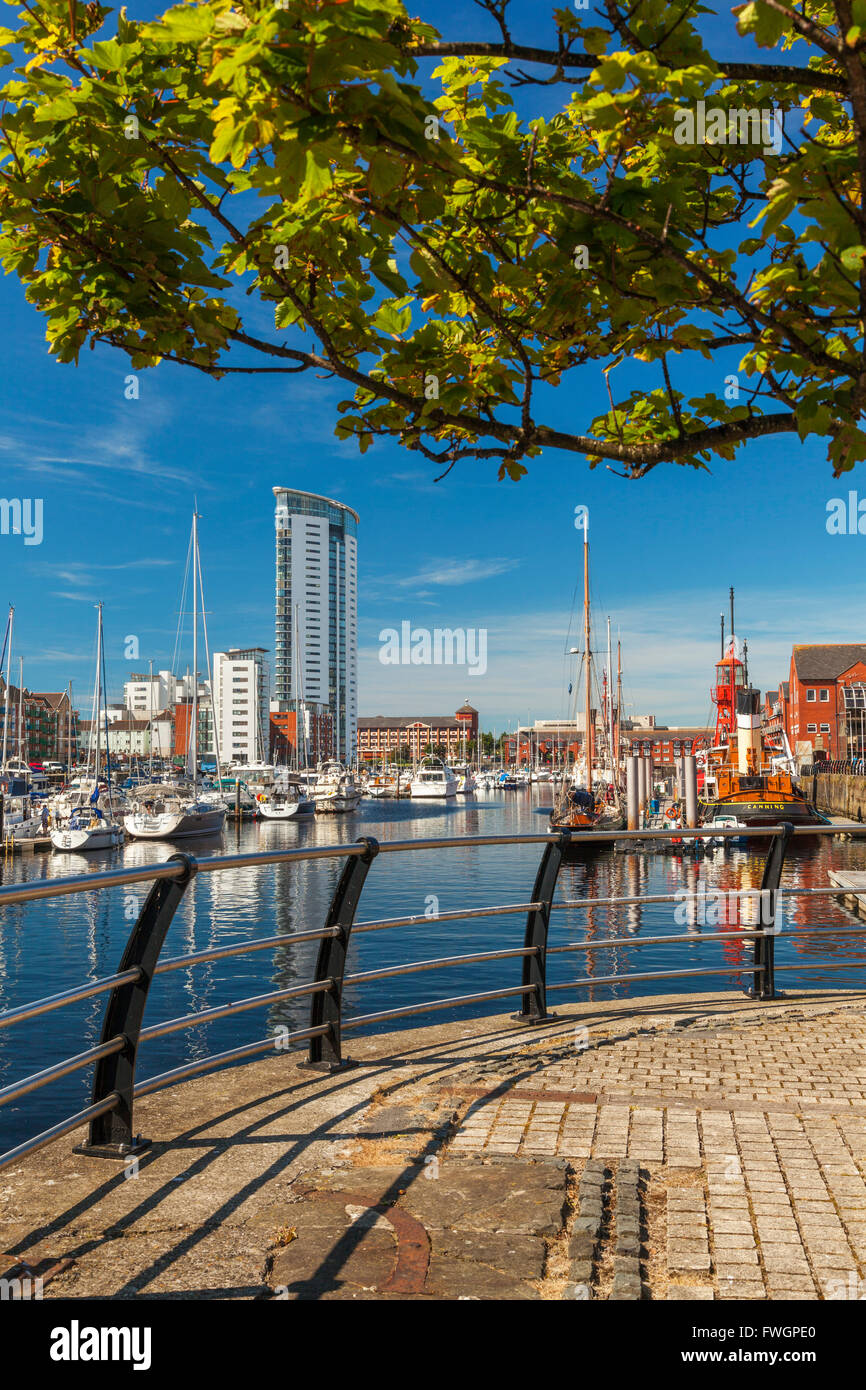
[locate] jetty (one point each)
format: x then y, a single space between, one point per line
852 883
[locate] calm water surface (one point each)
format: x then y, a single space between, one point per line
49 946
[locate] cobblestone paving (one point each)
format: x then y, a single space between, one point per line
754 1140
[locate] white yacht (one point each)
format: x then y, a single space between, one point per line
433 779
465 779
291 804
335 789
166 813
86 831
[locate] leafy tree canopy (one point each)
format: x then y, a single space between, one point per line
450 257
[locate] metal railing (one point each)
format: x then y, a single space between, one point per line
849 766
110 1115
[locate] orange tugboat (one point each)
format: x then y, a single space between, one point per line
743 775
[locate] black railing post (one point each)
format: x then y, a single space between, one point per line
327 1006
533 1007
111 1135
764 978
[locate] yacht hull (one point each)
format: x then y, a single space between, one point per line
288 810
338 801
89 838
176 825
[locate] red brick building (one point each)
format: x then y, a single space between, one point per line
284 736
382 736
826 691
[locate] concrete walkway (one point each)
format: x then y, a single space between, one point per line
687 1147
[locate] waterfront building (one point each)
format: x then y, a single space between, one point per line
825 711
182 726
49 727
301 737
146 695
240 700
316 642
127 737
381 737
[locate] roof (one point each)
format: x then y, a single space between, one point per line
317 496
828 660
55 698
466 708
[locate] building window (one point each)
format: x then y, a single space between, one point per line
810 695
825 728
811 728
825 695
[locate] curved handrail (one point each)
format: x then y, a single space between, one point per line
110 1115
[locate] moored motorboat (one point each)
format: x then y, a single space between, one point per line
335 789
434 779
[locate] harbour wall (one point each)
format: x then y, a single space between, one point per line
840 794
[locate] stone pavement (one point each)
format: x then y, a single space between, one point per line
689 1147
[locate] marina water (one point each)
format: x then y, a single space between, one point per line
51 945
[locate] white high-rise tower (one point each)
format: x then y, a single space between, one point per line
317 592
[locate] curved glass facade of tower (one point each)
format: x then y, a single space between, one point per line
316 646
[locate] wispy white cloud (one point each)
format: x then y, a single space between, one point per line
454 572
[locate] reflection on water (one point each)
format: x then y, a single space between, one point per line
48 946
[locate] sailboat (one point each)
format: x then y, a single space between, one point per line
586 807
90 828
174 813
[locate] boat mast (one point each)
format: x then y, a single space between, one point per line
610 701
216 740
300 705
97 685
150 711
733 674
192 742
618 706
337 682
588 732
6 697
18 737
104 693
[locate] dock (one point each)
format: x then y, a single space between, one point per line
37 845
687 1147
852 883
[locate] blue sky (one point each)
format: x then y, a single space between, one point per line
118 479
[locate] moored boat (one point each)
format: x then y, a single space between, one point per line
88 827
742 776
335 790
434 779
